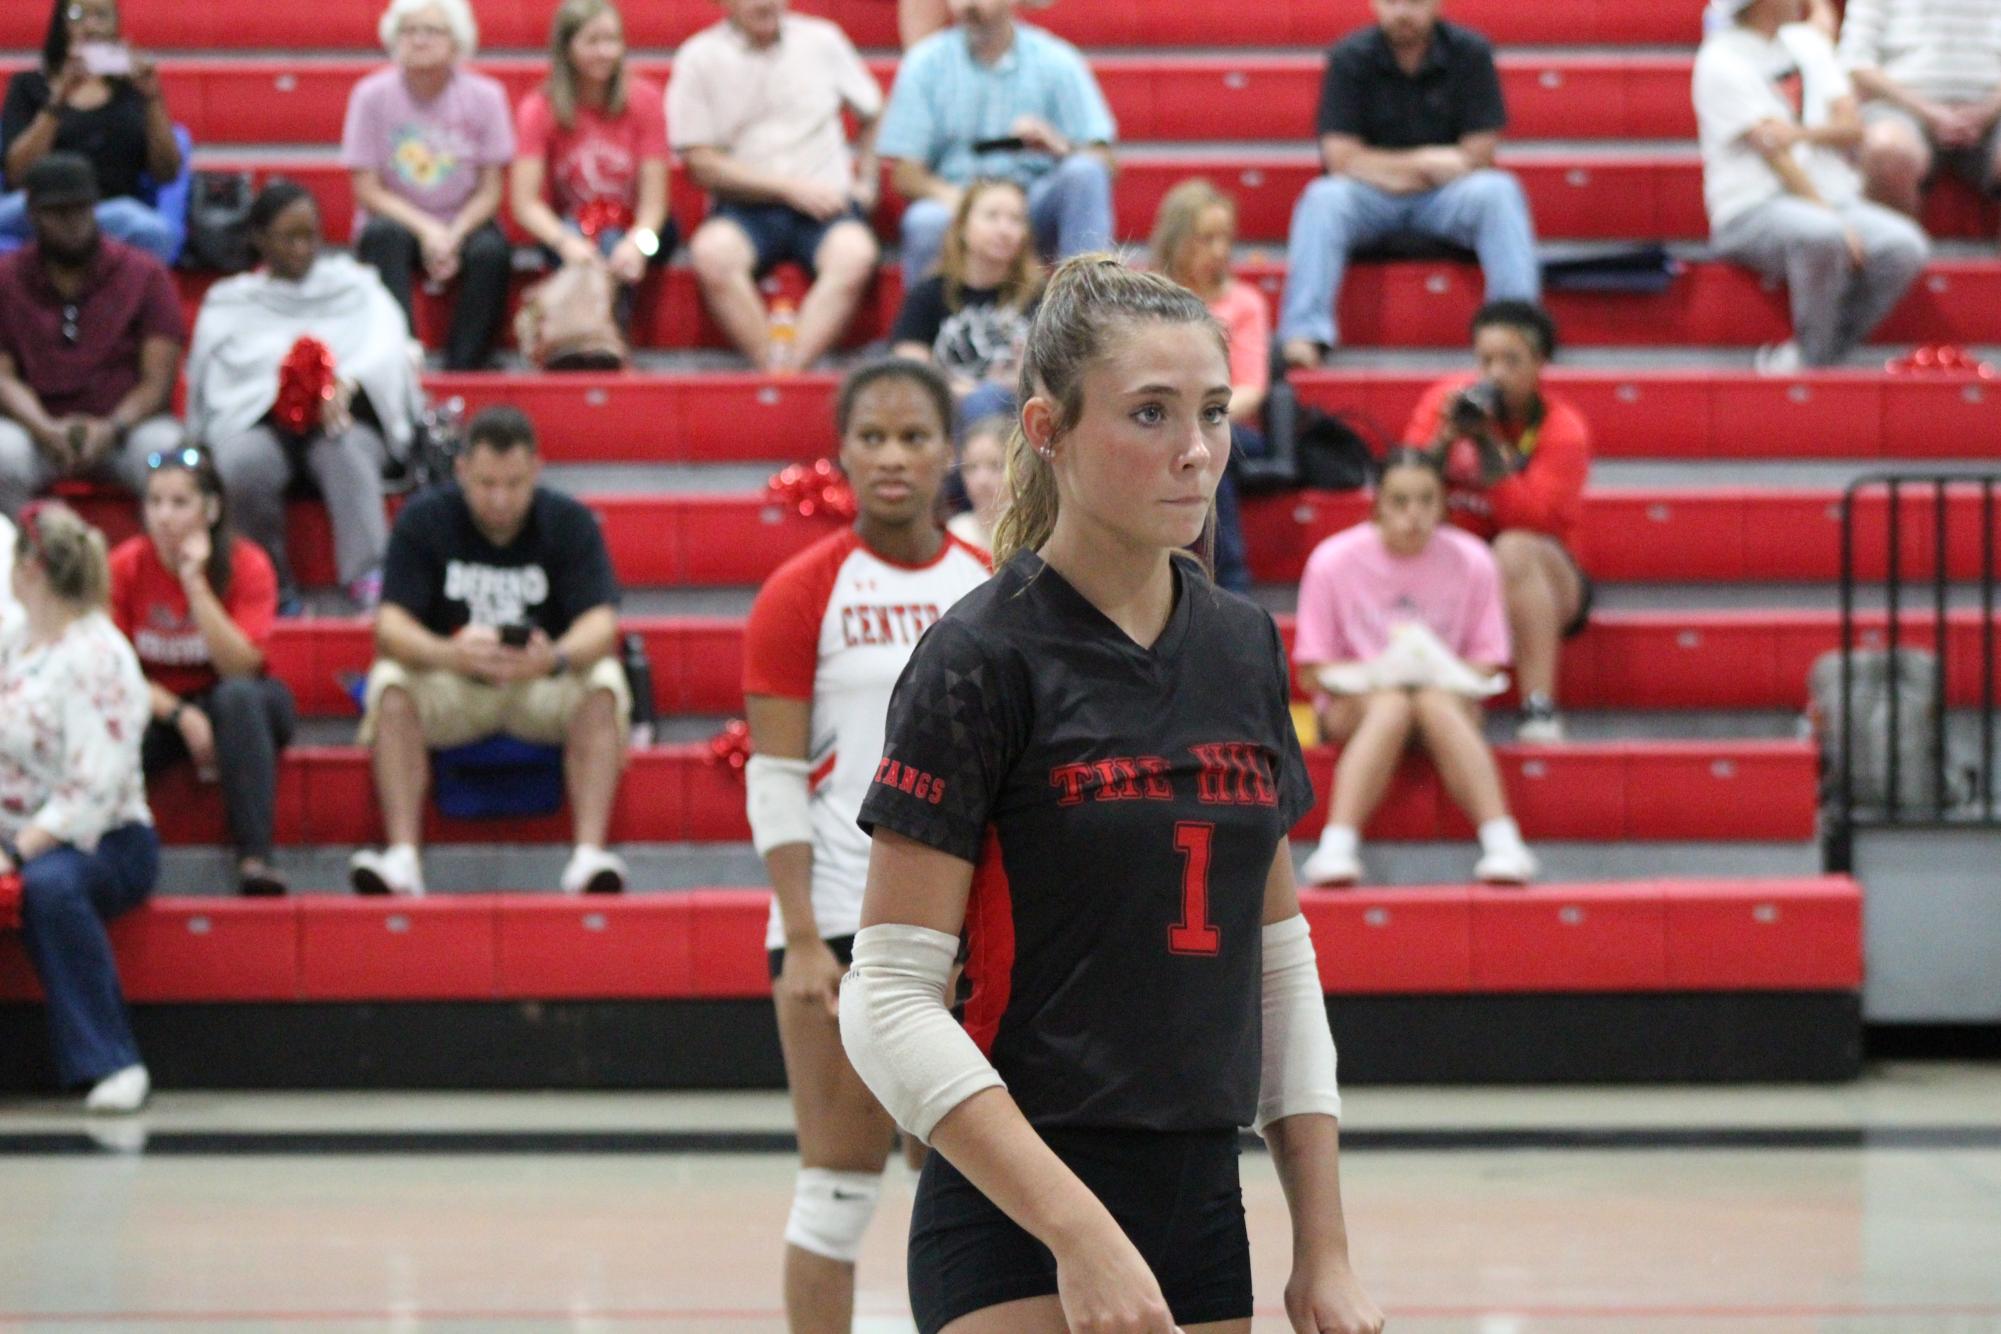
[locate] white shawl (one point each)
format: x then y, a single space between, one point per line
248 323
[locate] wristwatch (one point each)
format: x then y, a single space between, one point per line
645 240
561 664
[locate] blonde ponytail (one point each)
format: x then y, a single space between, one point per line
1086 298
72 554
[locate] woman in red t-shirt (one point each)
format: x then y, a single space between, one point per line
1516 461
589 179
198 603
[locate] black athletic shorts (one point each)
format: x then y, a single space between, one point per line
1587 593
842 946
1175 1194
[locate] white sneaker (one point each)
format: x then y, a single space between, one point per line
1507 866
1543 730
1778 359
120 1093
594 871
1337 861
390 871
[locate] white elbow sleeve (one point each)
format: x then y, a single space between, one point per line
1297 1074
777 801
899 1035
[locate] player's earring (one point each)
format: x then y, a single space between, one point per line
1048 453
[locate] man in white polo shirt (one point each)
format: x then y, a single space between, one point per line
1778 124
1930 75
754 108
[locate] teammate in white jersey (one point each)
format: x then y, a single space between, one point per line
828 638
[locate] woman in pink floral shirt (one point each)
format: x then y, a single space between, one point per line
73 817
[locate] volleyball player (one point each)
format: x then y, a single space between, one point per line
828 636
1090 771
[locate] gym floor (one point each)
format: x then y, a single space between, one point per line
1868 1207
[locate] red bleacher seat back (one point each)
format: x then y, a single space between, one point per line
597 948
1789 935
1570 938
209 950
440 948
1409 942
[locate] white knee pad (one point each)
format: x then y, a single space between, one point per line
830 1212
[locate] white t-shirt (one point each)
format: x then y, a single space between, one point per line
1741 80
835 625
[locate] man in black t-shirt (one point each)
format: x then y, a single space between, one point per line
1410 113
499 615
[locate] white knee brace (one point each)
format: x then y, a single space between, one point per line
830 1212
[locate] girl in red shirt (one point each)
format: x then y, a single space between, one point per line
1516 458
198 603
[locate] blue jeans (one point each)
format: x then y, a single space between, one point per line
1069 211
1484 211
123 219
66 898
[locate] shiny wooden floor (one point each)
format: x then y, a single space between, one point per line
1623 1220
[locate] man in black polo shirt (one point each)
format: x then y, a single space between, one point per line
1410 112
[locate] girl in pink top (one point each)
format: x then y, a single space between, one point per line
1192 237
1402 621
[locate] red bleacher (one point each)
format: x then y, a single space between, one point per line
1648 936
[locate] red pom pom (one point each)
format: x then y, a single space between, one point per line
10 901
1940 359
306 380
730 748
818 490
601 216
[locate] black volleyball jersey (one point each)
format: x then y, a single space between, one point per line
1122 807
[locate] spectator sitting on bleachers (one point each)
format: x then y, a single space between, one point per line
73 816
247 330
1401 634
983 477
589 179
1930 75
1192 238
91 333
74 103
499 615
1778 122
1516 458
970 318
1410 114
426 140
755 109
198 603
995 97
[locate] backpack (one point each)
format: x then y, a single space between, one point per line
1874 698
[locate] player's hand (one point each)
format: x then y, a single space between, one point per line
822 203
99 438
811 975
1327 1298
1036 132
535 659
191 560
440 246
1106 1288
627 265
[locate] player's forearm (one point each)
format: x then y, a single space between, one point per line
790 867
989 1141
1307 1152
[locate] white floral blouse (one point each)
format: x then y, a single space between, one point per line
71 716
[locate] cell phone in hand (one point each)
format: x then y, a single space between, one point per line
1012 143
516 636
109 60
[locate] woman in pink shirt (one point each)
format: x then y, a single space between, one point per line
1192 237
1401 633
589 179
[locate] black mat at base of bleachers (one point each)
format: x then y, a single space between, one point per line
1683 1037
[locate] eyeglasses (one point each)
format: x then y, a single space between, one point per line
192 456
71 330
423 30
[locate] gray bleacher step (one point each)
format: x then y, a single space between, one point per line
664 868
656 479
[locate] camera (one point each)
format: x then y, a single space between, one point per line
1475 406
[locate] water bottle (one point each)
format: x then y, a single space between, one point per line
639 677
784 334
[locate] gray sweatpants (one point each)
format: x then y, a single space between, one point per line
25 471
1836 305
258 467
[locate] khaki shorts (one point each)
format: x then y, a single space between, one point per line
456 710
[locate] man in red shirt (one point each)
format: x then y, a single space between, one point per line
89 348
1516 459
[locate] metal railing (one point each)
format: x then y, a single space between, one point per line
1960 517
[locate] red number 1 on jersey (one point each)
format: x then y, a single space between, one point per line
1193 934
